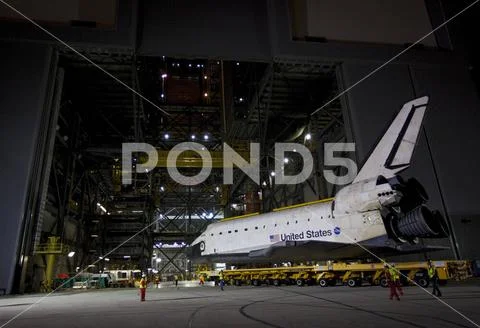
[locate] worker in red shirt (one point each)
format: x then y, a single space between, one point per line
143 288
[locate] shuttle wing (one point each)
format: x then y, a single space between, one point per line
394 151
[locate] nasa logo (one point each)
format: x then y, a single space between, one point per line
336 230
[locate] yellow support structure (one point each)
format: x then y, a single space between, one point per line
193 159
51 249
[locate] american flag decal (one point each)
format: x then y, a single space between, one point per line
274 238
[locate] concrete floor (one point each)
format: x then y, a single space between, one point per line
245 307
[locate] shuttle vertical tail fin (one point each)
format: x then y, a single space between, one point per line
394 151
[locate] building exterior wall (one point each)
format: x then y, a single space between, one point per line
23 82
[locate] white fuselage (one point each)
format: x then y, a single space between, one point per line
314 222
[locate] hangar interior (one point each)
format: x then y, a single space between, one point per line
258 79
209 102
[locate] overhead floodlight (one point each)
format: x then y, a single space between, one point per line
193 137
308 136
107 259
94 236
71 254
272 173
164 76
205 94
158 260
126 256
286 160
166 136
205 137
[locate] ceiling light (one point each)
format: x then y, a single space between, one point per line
166 136
205 137
193 137
286 160
308 136
205 77
126 256
162 188
94 236
205 94
71 254
241 99
272 174
164 76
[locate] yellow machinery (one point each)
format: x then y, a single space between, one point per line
51 249
351 274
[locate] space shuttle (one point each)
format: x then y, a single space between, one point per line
378 213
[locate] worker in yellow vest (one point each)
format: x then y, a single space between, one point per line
390 277
433 276
143 288
396 279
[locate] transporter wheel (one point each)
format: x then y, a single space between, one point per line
256 282
276 282
248 282
423 282
202 246
383 283
238 282
352 282
300 282
323 282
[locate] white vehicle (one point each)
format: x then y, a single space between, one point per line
123 278
96 277
378 210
